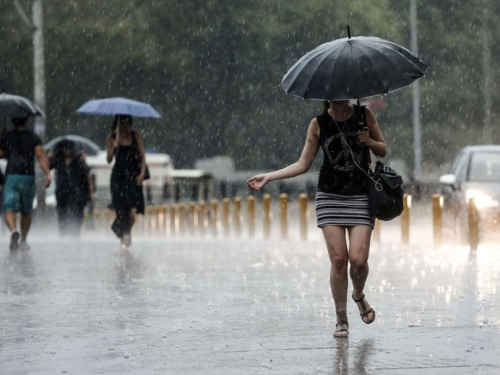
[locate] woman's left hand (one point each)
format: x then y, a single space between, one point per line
140 179
364 137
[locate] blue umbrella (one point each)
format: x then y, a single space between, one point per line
118 106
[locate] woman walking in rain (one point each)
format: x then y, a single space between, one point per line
126 147
73 187
341 199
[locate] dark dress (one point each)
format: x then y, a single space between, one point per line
125 193
72 193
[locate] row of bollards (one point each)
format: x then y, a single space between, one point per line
224 217
437 216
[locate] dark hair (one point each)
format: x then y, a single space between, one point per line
117 118
19 121
326 105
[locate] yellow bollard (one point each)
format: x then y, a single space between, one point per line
473 225
303 201
251 215
109 217
97 223
237 216
376 232
174 220
202 217
284 215
193 218
156 221
225 216
182 218
266 203
405 220
437 218
162 219
214 211
148 219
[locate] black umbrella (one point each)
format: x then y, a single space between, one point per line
18 106
353 68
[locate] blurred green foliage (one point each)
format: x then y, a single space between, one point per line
213 68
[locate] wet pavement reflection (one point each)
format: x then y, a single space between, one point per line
242 307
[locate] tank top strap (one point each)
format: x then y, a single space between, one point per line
323 120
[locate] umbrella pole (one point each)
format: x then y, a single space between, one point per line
349 35
361 120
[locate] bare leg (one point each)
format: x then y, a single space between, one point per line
127 237
359 249
25 226
335 239
10 220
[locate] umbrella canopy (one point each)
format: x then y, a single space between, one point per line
18 106
352 68
82 144
118 106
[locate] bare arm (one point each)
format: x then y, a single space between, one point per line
140 143
373 138
305 161
44 163
110 148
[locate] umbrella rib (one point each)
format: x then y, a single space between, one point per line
311 55
322 61
390 63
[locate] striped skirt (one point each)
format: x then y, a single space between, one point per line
342 210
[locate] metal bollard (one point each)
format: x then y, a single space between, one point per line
473 225
437 219
376 232
303 200
162 219
225 216
214 211
251 215
202 217
182 218
284 215
405 220
193 218
156 221
266 204
97 221
237 216
174 220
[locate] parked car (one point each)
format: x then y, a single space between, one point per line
474 173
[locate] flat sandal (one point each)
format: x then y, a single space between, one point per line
342 322
365 312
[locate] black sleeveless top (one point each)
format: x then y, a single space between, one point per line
339 174
127 160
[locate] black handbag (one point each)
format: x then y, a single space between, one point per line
385 192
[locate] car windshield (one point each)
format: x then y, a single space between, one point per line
485 167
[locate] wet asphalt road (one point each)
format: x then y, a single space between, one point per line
242 307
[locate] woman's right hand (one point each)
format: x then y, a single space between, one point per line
258 182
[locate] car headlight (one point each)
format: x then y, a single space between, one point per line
482 200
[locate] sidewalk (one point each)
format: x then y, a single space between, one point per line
242 307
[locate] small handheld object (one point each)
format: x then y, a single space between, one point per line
365 129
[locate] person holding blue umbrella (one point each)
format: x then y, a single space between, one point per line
126 148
